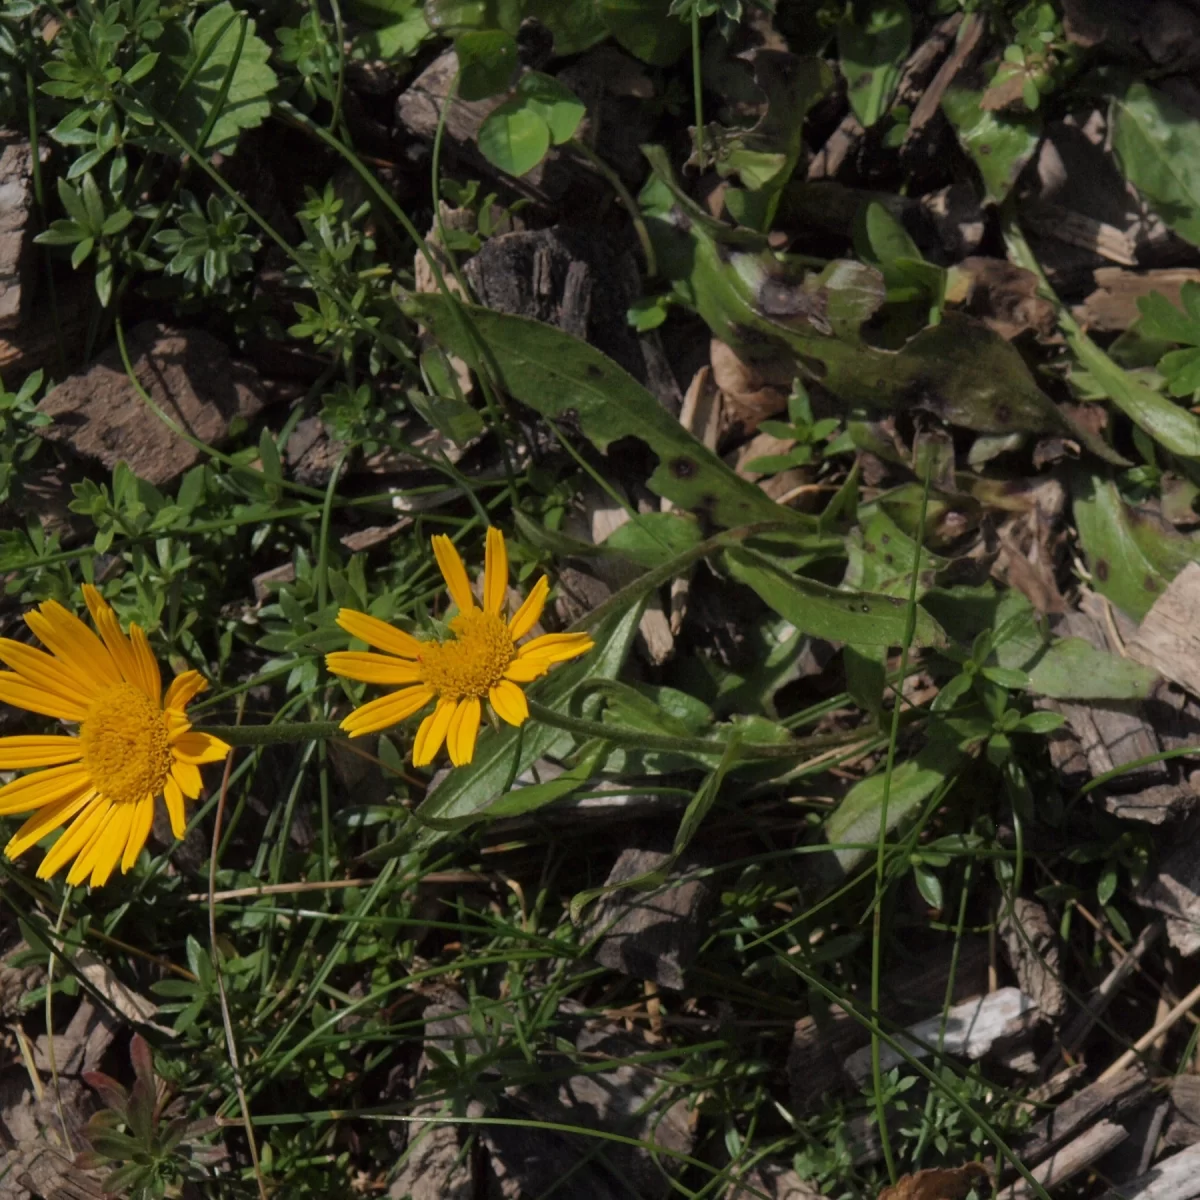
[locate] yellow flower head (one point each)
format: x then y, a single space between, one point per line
132 744
481 661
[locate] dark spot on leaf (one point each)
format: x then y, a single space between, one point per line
865 608
683 468
681 219
1101 570
889 559
885 538
852 607
984 148
1003 414
594 372
927 579
1150 583
896 602
869 547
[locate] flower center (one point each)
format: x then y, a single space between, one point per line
125 745
471 662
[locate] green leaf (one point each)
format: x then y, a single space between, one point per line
859 618
705 797
555 103
192 74
1157 145
889 240
929 885
1181 368
392 42
999 145
488 60
651 539
468 792
1072 669
575 24
538 795
872 46
554 373
645 28
1161 319
514 138
1041 722
380 12
857 818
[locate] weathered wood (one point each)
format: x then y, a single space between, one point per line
1086 1149
1175 892
16 202
1031 946
653 934
1113 307
967 1030
1113 1099
1175 1178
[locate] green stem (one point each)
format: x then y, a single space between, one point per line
273 735
623 735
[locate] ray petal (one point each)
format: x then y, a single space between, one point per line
109 629
74 837
199 748
149 677
528 615
557 647
20 693
464 728
42 787
46 820
64 634
183 689
44 671
387 711
107 846
526 670
454 573
38 750
187 775
509 702
176 809
495 572
378 633
139 831
432 732
372 668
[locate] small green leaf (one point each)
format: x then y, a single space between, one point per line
556 104
488 60
1163 320
873 42
514 138
929 885
999 145
645 28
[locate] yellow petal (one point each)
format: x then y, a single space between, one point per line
20 693
75 836
187 775
184 688
432 732
104 851
528 615
65 635
378 633
387 711
36 750
509 702
454 573
109 629
43 671
464 728
526 670
42 787
372 668
557 647
139 831
495 572
176 809
199 748
149 678
46 820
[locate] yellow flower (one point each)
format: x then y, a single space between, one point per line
133 744
481 661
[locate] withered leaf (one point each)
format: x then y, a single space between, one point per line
938 1183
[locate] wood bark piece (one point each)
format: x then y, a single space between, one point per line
16 202
1175 892
651 934
189 376
1175 1178
1168 639
1031 946
967 1030
1113 1099
1074 1157
1113 306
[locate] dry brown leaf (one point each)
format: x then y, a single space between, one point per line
939 1183
755 390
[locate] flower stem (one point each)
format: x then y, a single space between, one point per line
624 735
273 735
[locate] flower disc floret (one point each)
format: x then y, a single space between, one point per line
486 659
126 744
